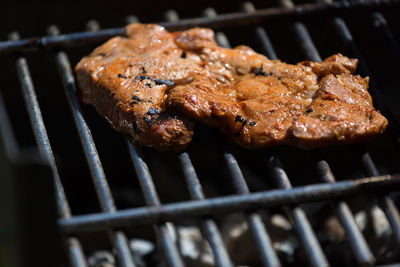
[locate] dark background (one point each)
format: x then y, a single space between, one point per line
32 17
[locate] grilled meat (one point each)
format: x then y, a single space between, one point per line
257 102
260 102
127 80
341 111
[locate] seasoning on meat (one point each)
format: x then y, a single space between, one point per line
259 71
141 60
142 77
257 102
137 98
166 82
267 102
153 111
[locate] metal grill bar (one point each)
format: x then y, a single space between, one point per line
307 236
303 226
218 205
392 214
362 252
146 182
147 185
203 207
357 242
10 143
144 175
225 20
220 37
305 40
347 38
118 238
256 225
385 202
263 241
209 227
262 35
170 249
39 129
381 24
75 251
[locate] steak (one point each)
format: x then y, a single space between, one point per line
260 102
127 80
154 84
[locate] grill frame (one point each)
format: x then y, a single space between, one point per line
156 213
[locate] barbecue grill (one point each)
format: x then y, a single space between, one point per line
212 178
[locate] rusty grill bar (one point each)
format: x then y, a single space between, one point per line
162 215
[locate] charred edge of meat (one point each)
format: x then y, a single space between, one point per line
137 98
144 71
166 82
142 77
135 127
308 111
148 122
153 111
183 55
156 81
121 76
239 119
161 116
215 116
252 123
148 84
260 71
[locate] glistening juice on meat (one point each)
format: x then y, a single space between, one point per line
153 85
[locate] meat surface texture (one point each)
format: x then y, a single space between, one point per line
154 84
127 81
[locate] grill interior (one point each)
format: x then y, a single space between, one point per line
109 191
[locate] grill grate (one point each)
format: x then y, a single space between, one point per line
161 215
97 173
74 248
209 226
